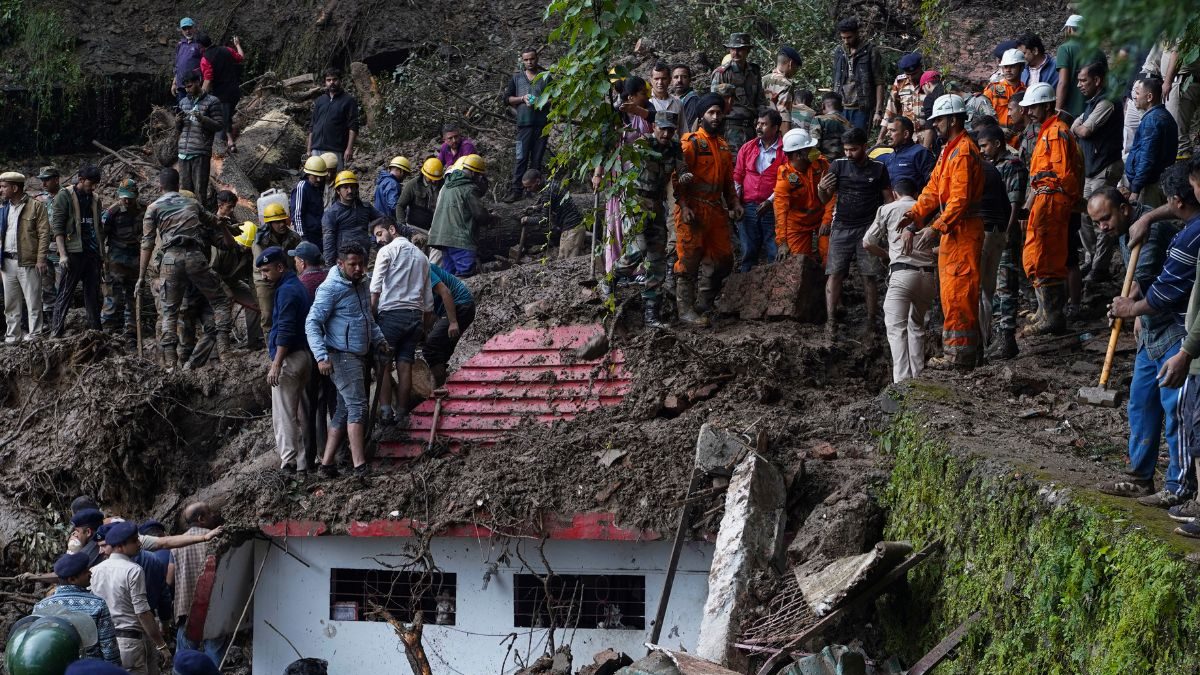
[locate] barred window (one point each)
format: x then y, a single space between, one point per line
605 601
359 595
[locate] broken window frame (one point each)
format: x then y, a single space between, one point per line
368 590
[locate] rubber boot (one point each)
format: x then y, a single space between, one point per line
1050 319
685 296
1003 346
650 316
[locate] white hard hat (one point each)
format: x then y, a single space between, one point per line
1042 92
1013 57
948 104
797 139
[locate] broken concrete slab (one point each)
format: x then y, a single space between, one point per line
792 289
718 449
607 662
826 586
750 539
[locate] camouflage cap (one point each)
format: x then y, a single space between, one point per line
47 172
738 40
665 120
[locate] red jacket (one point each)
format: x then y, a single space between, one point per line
756 187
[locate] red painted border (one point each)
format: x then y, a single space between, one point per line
198 613
579 527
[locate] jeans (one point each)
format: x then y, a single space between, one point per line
350 379
530 149
439 346
214 649
757 234
1189 416
859 118
193 175
402 330
1151 408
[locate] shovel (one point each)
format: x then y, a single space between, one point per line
1101 395
137 310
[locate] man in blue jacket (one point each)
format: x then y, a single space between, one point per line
290 363
1154 144
341 332
388 182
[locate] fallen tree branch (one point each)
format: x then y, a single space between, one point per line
122 159
411 639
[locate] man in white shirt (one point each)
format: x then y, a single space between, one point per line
660 95
402 301
911 283
122 584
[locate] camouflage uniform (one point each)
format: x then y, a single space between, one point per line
1008 287
909 96
186 230
829 141
53 271
123 230
748 101
646 240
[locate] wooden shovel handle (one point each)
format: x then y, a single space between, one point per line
1116 329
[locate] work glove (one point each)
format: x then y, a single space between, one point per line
784 253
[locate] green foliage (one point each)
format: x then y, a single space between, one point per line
934 25
1063 587
38 547
595 34
1115 23
806 25
51 69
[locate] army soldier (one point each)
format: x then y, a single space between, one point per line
122 223
749 101
647 243
186 230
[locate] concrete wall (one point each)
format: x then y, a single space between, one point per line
295 599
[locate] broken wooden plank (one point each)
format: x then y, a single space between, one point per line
943 648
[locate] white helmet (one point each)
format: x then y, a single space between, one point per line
948 104
1013 57
797 139
1042 92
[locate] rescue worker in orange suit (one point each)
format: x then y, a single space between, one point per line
956 187
1056 179
703 238
799 212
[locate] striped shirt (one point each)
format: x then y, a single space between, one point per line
80 600
1170 291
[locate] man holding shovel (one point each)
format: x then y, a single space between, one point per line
1165 274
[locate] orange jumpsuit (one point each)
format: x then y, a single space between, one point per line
1000 93
798 210
708 236
1056 176
956 187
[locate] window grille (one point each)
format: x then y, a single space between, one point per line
604 601
356 595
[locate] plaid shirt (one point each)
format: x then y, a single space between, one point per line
80 600
189 563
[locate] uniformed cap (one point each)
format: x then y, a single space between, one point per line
148 525
12 177
273 254
47 172
910 61
71 564
120 533
1013 57
306 251
94 667
792 54
186 22
87 518
192 662
101 532
128 189
998 52
665 120
726 89
739 40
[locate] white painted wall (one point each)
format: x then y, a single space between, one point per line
295 599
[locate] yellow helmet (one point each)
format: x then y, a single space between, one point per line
331 162
315 166
187 193
402 163
433 169
249 232
345 178
474 163
273 212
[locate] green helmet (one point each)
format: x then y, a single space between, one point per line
42 645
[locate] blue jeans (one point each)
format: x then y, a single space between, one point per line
402 330
859 118
1150 406
757 233
213 649
350 379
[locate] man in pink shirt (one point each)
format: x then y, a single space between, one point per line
454 145
754 179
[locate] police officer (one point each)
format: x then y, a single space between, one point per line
749 101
